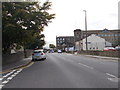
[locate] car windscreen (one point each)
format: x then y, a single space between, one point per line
37 51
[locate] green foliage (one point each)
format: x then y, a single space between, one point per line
37 42
51 46
23 22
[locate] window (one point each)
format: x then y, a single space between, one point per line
105 34
88 42
116 34
109 35
102 35
98 34
119 34
58 39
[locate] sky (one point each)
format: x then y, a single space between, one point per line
101 14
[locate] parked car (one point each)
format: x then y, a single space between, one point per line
59 51
117 48
38 55
109 49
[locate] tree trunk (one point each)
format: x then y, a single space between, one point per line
25 53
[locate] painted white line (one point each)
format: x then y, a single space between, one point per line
4 82
1 86
1 79
86 66
19 71
9 74
16 73
113 79
111 75
9 78
13 75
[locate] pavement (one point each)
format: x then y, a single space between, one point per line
17 64
101 57
63 70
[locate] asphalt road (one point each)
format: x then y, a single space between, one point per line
67 71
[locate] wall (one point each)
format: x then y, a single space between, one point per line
10 58
94 43
102 53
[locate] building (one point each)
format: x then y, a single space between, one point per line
94 42
65 42
111 36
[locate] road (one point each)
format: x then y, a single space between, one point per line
66 71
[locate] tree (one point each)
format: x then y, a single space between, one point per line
51 46
37 42
23 22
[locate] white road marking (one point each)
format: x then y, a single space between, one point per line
13 75
1 86
9 74
16 73
9 78
1 79
86 66
4 82
19 70
113 77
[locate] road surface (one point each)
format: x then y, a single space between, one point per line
61 70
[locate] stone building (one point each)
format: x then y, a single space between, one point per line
63 42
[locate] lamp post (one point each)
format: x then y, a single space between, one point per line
86 29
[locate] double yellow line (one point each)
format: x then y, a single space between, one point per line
19 67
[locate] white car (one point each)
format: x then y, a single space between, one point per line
38 55
59 51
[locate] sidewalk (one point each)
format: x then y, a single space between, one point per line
101 57
16 64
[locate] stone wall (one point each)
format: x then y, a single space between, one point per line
10 58
102 53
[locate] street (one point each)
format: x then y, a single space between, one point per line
62 70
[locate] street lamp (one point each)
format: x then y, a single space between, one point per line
86 28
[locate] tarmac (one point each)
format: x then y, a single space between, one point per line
26 61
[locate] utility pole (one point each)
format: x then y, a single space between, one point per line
86 29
